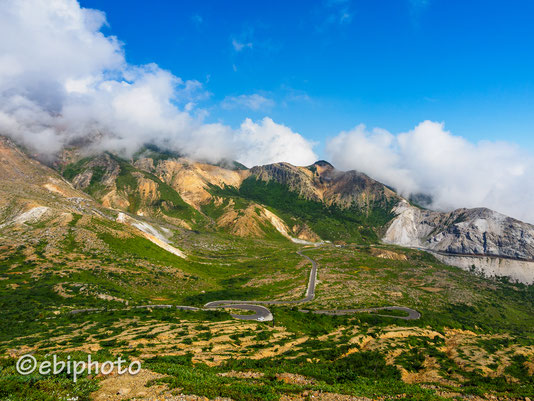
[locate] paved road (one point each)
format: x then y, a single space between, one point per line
310 293
262 314
312 281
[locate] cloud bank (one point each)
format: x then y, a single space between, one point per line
270 141
453 171
62 81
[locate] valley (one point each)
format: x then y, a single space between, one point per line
152 258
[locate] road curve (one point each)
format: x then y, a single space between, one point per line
262 314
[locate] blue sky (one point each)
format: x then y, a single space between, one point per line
326 66
427 96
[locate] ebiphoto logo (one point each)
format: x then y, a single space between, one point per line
28 364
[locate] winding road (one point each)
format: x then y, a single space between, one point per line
262 314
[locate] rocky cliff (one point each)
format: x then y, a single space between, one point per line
321 182
463 232
477 231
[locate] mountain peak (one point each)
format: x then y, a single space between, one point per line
323 164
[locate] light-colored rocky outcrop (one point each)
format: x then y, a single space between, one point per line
477 232
192 180
489 266
151 233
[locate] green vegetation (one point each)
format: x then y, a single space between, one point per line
36 387
72 170
364 373
329 222
168 202
68 285
94 263
446 296
155 153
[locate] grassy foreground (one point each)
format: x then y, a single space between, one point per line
475 338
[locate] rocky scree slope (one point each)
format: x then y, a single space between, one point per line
38 206
321 182
478 231
477 239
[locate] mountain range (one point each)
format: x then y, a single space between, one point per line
157 190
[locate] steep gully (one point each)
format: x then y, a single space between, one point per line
263 314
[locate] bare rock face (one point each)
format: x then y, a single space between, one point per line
22 177
321 182
297 179
488 233
474 232
489 266
192 180
151 187
477 231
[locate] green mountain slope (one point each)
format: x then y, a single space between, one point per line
115 182
331 223
313 202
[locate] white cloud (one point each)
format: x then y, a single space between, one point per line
431 160
62 81
269 142
238 46
375 153
253 102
